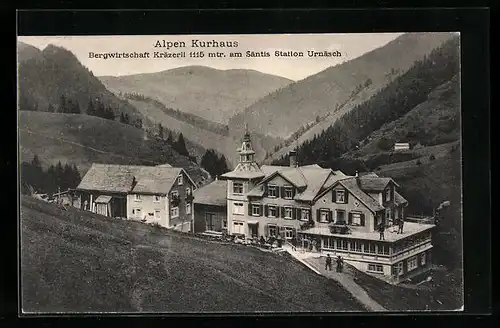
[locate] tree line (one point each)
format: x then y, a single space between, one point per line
390 103
56 178
213 163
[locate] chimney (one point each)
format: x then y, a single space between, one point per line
293 158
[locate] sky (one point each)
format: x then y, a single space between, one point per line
350 46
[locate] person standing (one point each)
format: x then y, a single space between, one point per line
340 262
381 229
400 225
328 263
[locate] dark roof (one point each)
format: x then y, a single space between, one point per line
373 183
120 178
213 193
352 186
398 199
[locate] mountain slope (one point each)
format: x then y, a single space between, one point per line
213 94
76 261
45 76
393 102
224 144
83 140
285 111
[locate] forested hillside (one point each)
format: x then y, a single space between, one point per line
53 80
391 103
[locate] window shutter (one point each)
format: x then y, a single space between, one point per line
362 219
334 194
318 215
260 210
277 231
277 188
299 214
350 218
293 192
266 230
282 192
265 190
282 212
294 213
346 196
266 210
250 212
330 216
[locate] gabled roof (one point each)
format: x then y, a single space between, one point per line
352 186
370 181
213 193
309 178
398 199
120 178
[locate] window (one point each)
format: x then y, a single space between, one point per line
375 268
156 198
188 191
371 248
238 209
188 208
238 227
305 215
237 188
329 243
323 216
224 224
174 212
289 232
271 191
273 230
356 246
272 211
288 192
388 213
174 194
340 217
412 263
344 245
179 180
365 247
137 212
356 218
137 198
383 249
388 195
157 214
340 196
422 259
255 210
399 268
210 221
288 212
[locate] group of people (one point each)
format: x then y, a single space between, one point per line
339 260
381 227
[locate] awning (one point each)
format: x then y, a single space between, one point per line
103 199
253 222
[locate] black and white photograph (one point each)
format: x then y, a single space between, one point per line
240 173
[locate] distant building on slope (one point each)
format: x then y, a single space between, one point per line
401 146
340 214
154 194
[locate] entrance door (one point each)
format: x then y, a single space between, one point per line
253 229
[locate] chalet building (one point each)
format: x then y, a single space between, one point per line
340 214
401 146
210 208
154 194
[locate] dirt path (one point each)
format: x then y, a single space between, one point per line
344 279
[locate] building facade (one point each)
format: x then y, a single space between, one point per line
152 194
210 208
339 214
